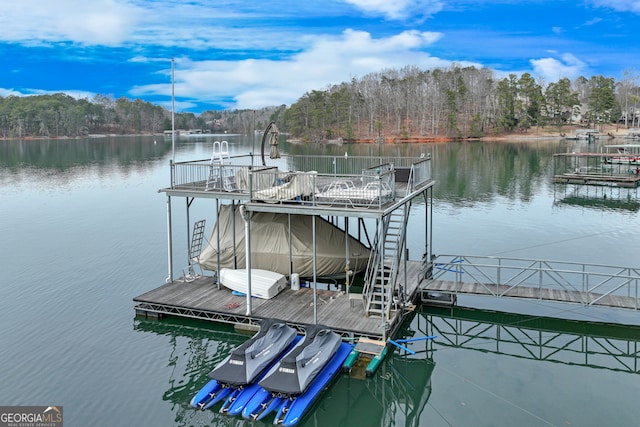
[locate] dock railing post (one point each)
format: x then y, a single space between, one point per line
637 296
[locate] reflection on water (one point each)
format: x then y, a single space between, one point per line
401 386
61 154
595 345
399 392
625 204
195 349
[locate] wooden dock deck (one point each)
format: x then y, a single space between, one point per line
342 312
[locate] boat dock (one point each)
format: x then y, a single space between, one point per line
367 198
604 169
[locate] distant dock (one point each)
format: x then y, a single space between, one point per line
596 169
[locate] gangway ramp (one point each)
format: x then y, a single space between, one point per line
586 284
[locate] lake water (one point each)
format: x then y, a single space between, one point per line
84 231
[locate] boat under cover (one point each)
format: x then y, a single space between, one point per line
298 368
282 243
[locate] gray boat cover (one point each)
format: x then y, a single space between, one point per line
270 245
298 368
255 355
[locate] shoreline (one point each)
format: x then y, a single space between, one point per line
567 132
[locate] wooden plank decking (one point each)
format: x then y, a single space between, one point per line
338 310
525 292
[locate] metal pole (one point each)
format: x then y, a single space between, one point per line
347 267
382 281
169 242
247 244
218 241
430 223
173 113
315 283
233 227
188 231
290 251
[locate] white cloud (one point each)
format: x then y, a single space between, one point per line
4 92
77 94
552 69
254 83
399 9
193 25
619 5
105 22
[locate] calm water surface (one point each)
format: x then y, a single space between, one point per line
84 231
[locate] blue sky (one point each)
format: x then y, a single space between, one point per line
240 54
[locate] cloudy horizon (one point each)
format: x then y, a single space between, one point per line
235 55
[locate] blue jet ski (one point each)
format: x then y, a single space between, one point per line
291 386
298 368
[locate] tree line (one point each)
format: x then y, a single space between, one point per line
459 102
60 115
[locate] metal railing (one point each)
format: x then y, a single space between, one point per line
351 181
592 284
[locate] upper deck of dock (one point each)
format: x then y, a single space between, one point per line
308 185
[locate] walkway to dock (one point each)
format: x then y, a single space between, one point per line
342 312
585 284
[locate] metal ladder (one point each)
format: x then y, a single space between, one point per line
197 236
220 176
382 270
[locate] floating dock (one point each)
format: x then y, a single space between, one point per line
596 169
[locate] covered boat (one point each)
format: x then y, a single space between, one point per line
298 368
248 360
273 242
246 363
